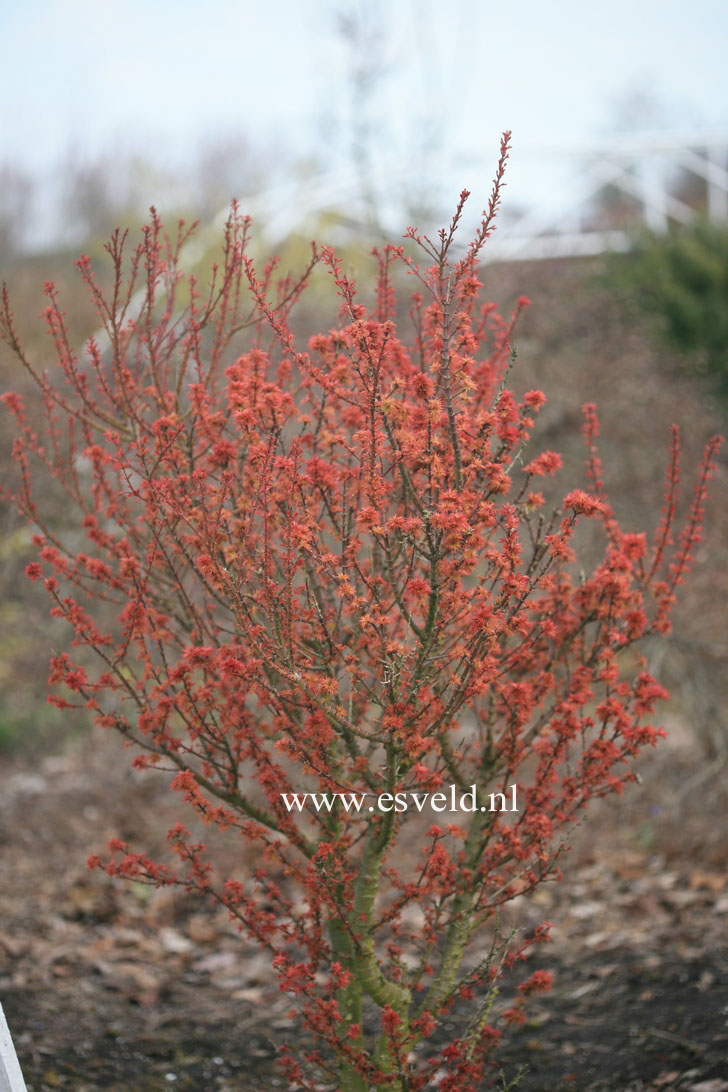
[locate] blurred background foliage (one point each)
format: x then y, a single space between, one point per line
680 282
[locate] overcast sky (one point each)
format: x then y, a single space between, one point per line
165 75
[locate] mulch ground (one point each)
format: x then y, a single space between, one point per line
111 986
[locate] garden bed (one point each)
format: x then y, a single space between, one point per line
111 986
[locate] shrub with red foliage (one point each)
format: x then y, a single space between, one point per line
327 570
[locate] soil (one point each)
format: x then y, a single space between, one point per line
110 986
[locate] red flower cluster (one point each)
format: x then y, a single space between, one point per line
314 569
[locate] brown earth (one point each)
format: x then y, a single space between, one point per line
109 986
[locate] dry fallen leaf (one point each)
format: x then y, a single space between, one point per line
711 881
202 929
14 946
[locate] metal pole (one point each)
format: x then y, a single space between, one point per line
11 1079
